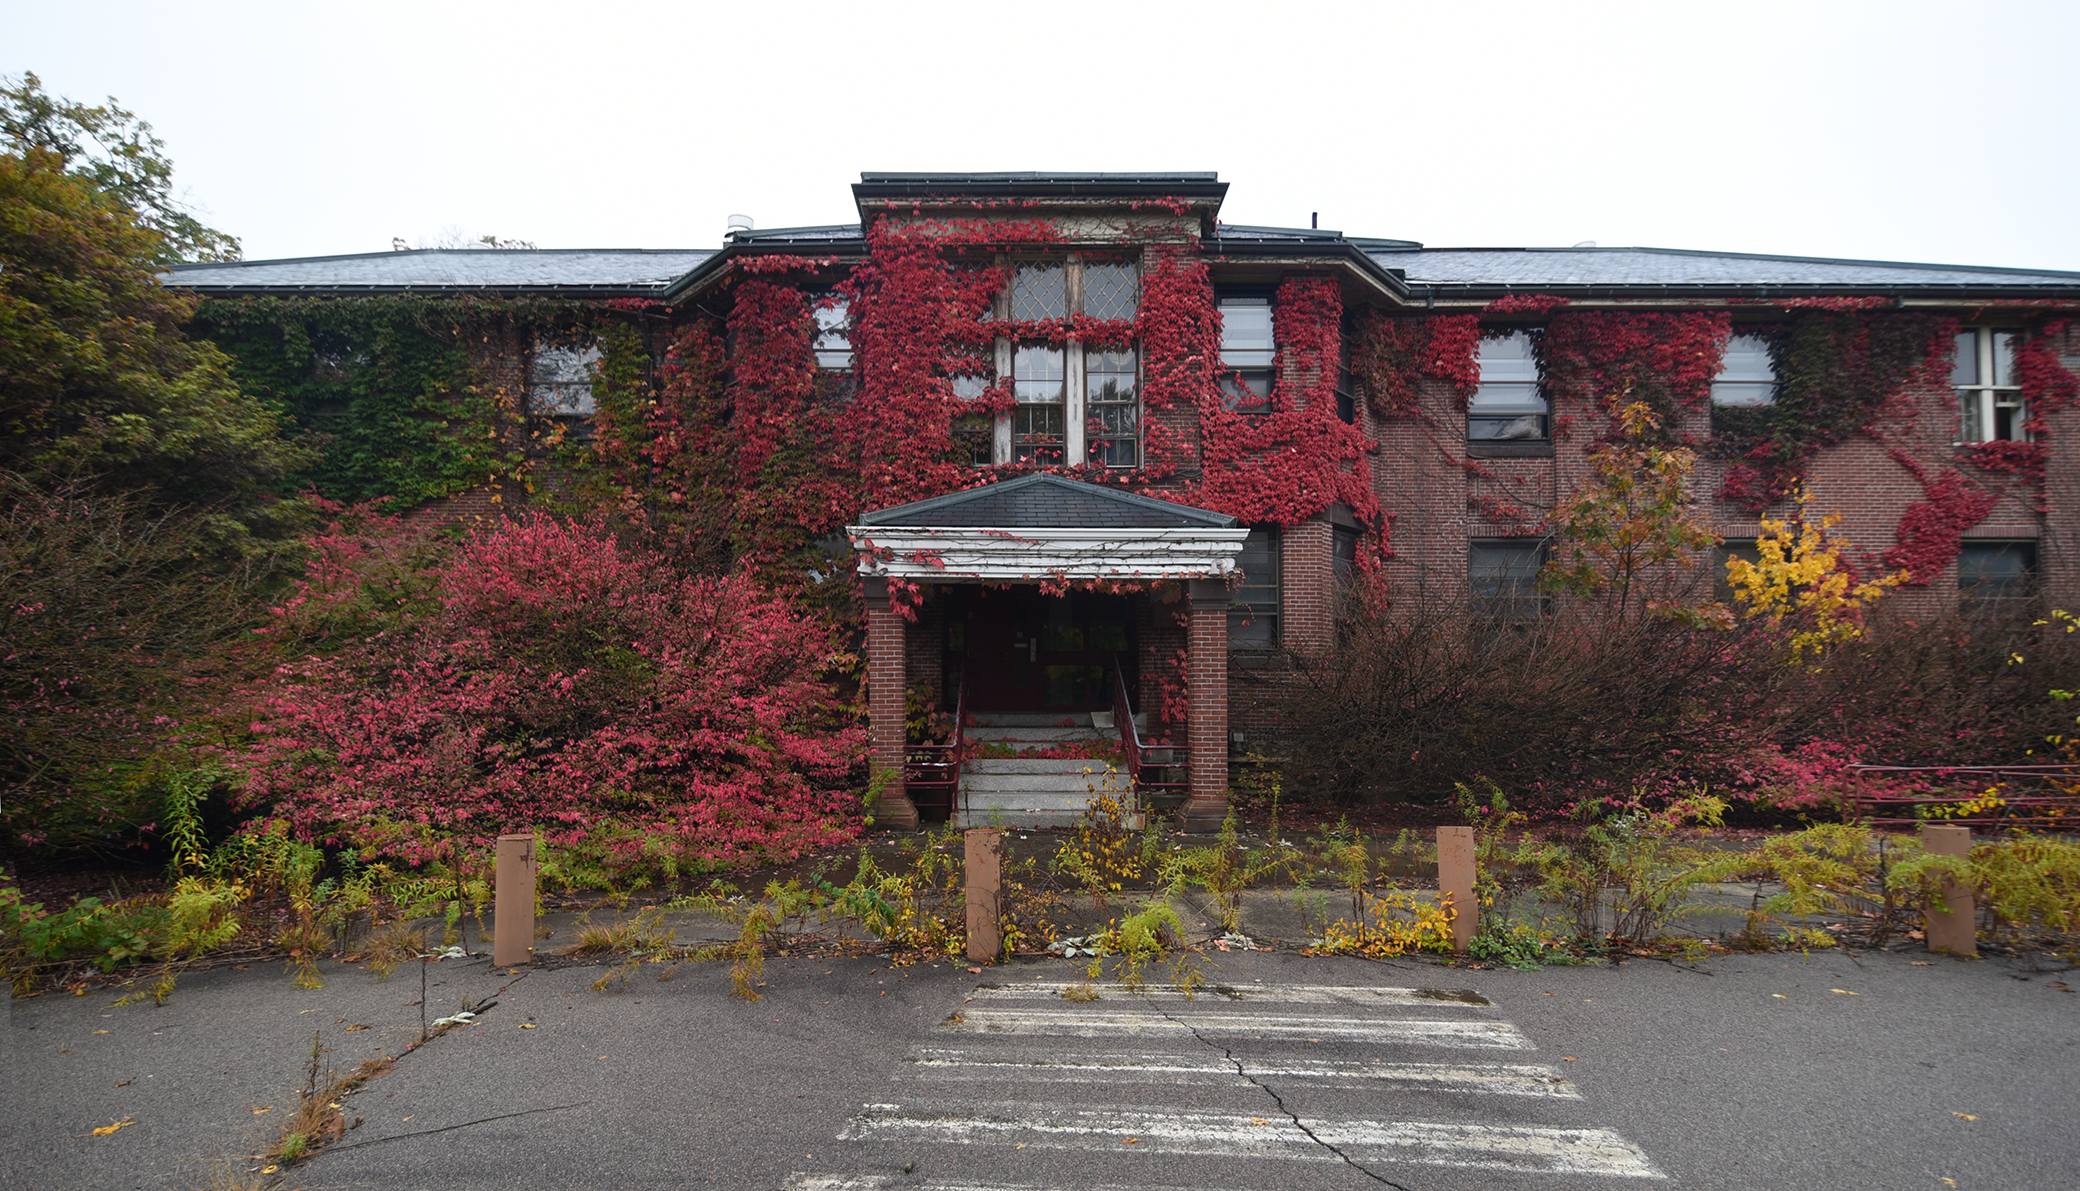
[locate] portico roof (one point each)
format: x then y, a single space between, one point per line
1045 527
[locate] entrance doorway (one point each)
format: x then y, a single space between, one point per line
1023 651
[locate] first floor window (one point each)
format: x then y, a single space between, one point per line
1039 383
1508 406
1503 576
1112 408
1253 605
1744 549
1989 401
1996 578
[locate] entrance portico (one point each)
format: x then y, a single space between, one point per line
1042 628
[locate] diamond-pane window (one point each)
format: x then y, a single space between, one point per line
1039 291
1110 291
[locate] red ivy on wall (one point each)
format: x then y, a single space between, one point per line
1392 357
1931 531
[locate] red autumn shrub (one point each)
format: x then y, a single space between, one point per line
541 676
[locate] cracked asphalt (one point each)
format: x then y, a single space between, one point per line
1748 1072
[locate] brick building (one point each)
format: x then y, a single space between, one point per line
1092 556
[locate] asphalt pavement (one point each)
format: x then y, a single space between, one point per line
1826 1071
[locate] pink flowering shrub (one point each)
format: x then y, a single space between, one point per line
542 676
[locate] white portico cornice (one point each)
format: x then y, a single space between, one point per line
978 554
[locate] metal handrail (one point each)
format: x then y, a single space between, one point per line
2028 807
947 772
1130 735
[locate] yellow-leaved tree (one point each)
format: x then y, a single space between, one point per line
1798 579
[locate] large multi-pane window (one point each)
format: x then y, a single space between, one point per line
1989 401
1073 403
1508 406
1253 603
1502 574
1248 354
1747 374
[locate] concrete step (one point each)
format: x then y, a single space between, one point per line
1042 736
1076 784
984 806
1066 766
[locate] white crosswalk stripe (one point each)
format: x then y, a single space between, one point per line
1246 1026
1240 1135
1246 1044
959 1066
1276 994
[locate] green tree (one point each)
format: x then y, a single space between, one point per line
98 382
114 152
1633 529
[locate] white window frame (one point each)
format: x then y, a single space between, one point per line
833 342
1979 404
1242 359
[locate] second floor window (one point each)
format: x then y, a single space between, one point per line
559 383
1508 406
1747 375
1248 354
833 343
1113 408
1039 382
1989 402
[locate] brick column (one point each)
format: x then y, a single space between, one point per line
1206 732
885 679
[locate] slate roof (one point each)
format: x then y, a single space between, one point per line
1618 267
601 271
1048 502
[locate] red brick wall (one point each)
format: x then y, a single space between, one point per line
1207 737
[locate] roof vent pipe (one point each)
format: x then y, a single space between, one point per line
740 223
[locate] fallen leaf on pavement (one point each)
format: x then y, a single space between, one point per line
1845 992
105 1130
1568 1059
351 1029
269 1169
527 1025
258 1111
1130 1141
1922 963
101 1031
126 1083
977 971
1780 996
1964 1115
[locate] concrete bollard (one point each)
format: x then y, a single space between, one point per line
512 927
1957 931
985 878
1455 882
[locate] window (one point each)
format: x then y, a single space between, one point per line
1253 606
1343 552
974 432
1989 402
1508 406
1503 576
1247 354
1741 548
1996 578
1072 404
1039 382
559 381
1747 376
833 334
1112 407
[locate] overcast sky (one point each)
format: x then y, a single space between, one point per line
1895 130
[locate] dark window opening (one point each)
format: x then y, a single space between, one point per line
1502 574
1253 605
